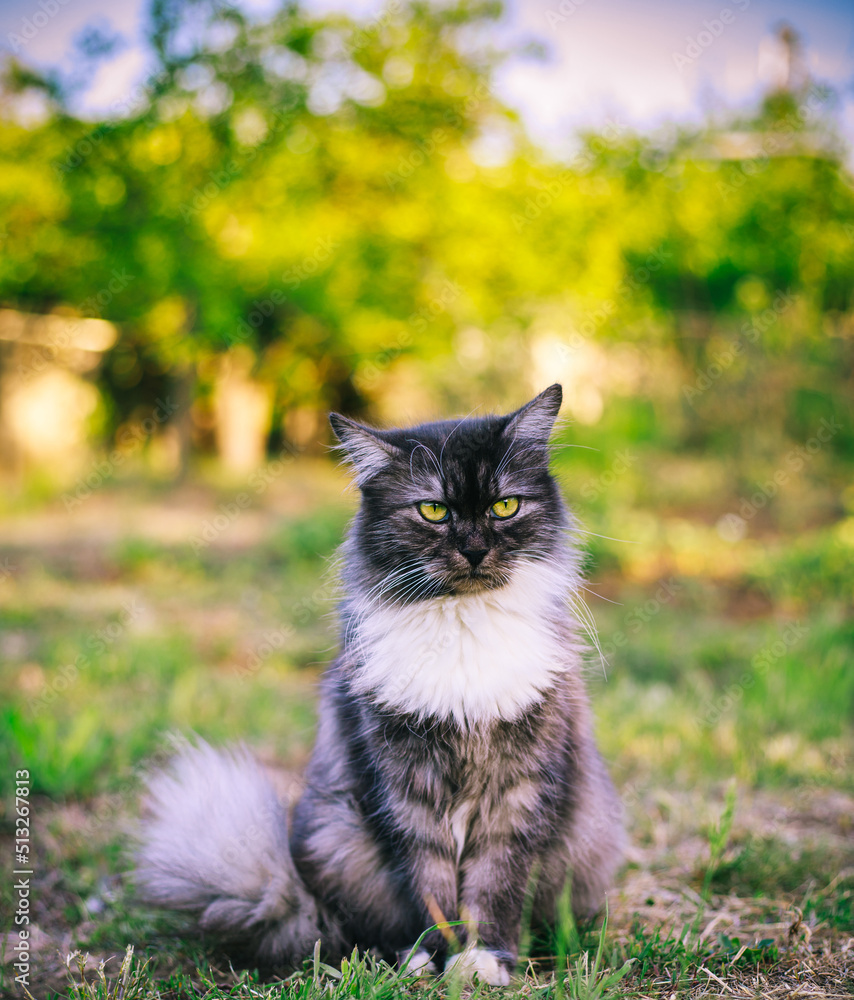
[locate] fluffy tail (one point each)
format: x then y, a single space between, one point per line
215 842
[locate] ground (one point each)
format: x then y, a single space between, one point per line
723 698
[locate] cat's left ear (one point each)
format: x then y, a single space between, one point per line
369 452
535 420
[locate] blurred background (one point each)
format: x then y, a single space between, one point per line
219 221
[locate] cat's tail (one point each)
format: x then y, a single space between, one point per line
215 842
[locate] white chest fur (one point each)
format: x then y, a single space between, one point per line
471 657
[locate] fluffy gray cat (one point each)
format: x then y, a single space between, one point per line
455 767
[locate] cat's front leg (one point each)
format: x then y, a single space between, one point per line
416 808
494 876
433 873
510 830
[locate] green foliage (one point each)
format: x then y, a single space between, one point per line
131 982
679 957
765 865
65 754
586 982
581 979
311 538
719 835
316 191
86 733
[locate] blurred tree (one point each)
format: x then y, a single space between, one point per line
337 197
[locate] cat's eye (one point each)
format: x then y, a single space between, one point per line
432 510
506 507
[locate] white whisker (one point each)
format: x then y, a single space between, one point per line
600 596
420 444
584 531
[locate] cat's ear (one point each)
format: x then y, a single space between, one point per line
369 452
535 420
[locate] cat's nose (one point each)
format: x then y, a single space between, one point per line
474 556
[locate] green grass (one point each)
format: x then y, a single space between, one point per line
738 678
587 966
765 866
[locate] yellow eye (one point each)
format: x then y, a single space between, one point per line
506 507
433 511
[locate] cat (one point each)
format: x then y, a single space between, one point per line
454 772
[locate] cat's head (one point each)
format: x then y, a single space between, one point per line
449 507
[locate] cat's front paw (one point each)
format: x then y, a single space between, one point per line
416 963
490 967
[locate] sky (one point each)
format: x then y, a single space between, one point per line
639 63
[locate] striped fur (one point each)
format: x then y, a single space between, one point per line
454 760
